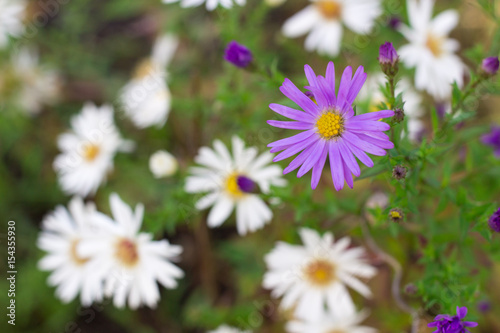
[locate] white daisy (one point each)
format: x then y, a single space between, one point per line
11 19
88 150
231 181
413 101
430 50
323 19
314 275
228 329
146 99
62 231
210 4
163 164
129 262
38 86
347 322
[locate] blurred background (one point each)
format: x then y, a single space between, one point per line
89 48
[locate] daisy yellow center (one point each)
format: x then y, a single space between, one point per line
90 152
329 9
144 69
232 185
79 261
320 272
126 252
435 45
330 125
395 215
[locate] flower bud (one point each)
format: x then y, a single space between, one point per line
490 66
399 115
399 172
162 164
494 221
396 215
238 55
388 59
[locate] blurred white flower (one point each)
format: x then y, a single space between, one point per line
146 99
347 322
274 3
430 50
228 329
210 4
323 19
377 200
88 150
413 101
11 19
62 231
162 164
232 181
314 275
37 86
129 262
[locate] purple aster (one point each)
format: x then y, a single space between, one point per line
387 54
490 65
329 128
455 324
494 221
493 139
237 54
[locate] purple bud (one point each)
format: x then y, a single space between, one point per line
387 54
245 184
494 221
394 22
484 306
237 54
490 65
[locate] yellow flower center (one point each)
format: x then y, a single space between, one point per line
143 69
232 185
90 152
126 252
329 9
395 215
79 261
320 272
330 125
435 45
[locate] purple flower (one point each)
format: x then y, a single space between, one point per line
490 65
493 139
455 324
494 221
237 54
329 128
394 22
387 54
245 184
484 306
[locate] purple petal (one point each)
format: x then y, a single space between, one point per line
336 166
469 323
461 312
379 143
330 76
294 125
345 84
357 83
348 158
298 97
327 91
366 125
291 113
377 135
311 76
279 148
374 115
292 139
318 168
348 176
320 97
312 159
297 161
361 155
294 149
363 145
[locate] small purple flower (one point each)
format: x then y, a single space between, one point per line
237 54
455 324
329 128
387 54
490 65
494 221
245 184
394 22
493 139
484 306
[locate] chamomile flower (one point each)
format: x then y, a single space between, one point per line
163 164
329 128
87 151
316 275
323 20
430 51
227 329
146 99
11 19
347 322
62 232
233 181
129 262
210 4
